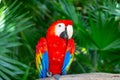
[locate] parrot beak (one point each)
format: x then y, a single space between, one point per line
64 34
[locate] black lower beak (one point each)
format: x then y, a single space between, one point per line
64 34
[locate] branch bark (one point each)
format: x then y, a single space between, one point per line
87 76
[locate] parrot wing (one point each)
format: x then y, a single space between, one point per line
68 56
42 57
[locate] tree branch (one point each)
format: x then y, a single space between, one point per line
87 76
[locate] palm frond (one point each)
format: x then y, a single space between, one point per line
11 23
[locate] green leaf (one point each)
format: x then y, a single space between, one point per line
26 74
11 73
12 61
4 76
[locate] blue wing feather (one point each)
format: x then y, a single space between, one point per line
44 64
66 63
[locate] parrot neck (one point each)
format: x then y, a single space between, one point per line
55 39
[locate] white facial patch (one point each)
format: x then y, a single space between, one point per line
59 28
69 31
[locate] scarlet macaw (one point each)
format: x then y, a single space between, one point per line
54 53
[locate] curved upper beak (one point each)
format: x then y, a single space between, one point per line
64 34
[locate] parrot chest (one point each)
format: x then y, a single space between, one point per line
56 52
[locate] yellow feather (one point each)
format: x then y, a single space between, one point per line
68 66
38 61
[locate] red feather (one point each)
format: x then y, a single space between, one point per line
41 45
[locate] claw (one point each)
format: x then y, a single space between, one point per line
49 74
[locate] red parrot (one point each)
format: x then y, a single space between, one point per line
54 53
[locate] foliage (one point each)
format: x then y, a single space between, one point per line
96 33
11 23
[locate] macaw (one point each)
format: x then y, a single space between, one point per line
54 53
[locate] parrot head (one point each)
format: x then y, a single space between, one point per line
61 28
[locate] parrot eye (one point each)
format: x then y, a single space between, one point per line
60 27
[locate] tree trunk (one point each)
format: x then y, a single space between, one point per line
87 76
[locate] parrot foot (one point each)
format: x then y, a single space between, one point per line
49 74
56 76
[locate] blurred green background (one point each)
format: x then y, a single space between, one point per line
96 34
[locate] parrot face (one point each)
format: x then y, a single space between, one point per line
62 29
